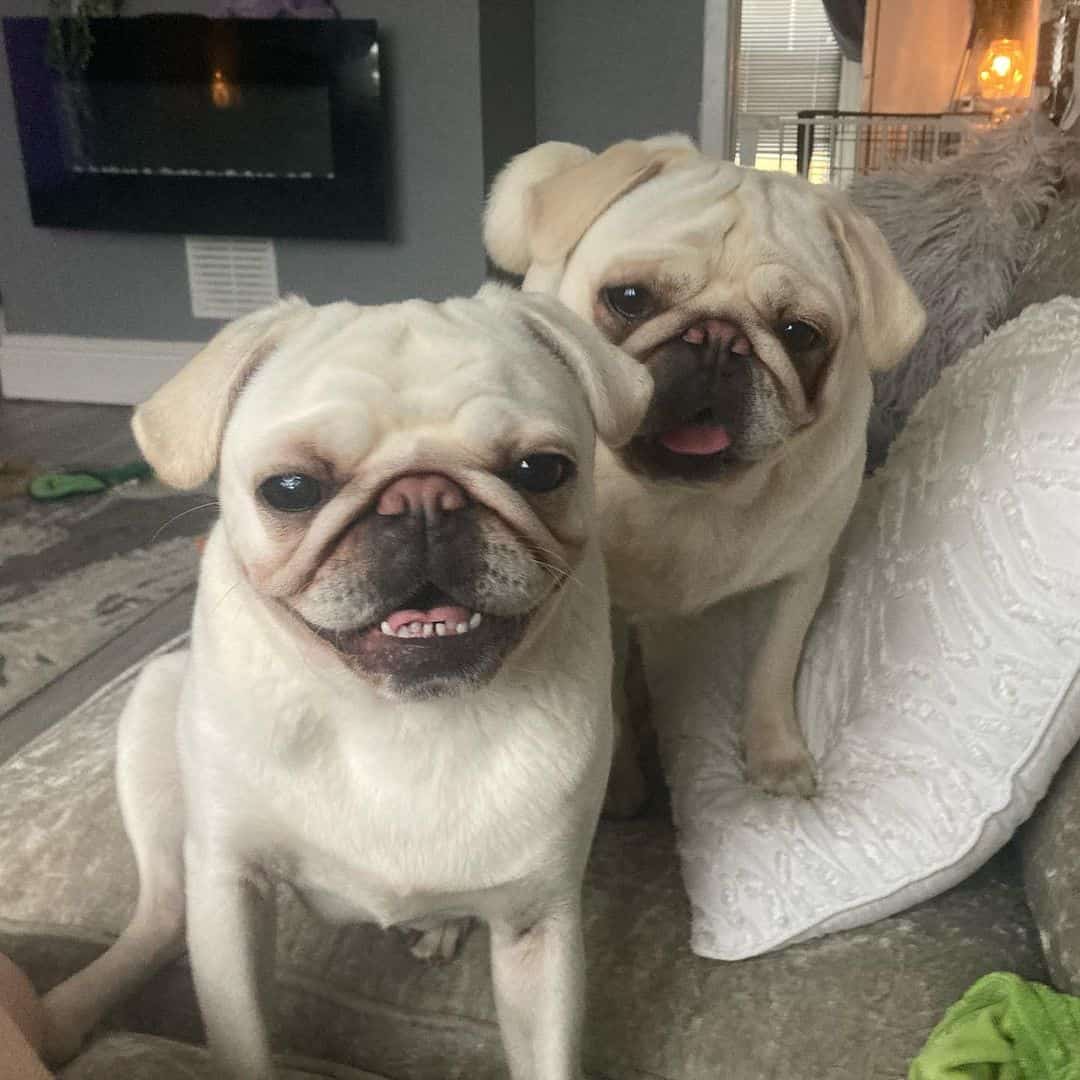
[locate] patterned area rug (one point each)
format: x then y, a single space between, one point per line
76 573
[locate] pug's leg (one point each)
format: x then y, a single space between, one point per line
231 943
626 790
539 977
776 755
153 938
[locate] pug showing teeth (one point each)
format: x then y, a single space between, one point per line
397 696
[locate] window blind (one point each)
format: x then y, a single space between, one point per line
788 61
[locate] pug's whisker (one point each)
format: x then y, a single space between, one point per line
546 551
226 594
183 513
555 567
562 576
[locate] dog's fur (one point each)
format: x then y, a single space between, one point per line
768 303
406 782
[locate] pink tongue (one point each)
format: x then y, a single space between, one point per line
451 615
696 439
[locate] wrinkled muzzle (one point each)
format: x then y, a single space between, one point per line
427 592
716 404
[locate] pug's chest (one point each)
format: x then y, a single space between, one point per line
676 550
412 861
402 837
684 561
411 888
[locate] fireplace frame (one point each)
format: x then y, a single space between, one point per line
342 55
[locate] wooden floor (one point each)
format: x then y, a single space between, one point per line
62 434
56 435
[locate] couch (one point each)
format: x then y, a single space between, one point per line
852 1006
353 1002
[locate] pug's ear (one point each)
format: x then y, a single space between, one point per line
891 316
544 200
179 429
506 215
617 388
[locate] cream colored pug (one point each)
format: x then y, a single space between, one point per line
397 696
760 304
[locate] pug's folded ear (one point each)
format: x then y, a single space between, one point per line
544 200
179 429
506 216
891 317
617 388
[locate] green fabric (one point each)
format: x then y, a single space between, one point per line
86 481
1004 1028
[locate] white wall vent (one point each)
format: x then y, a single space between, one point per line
230 277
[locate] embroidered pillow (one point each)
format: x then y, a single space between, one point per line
932 681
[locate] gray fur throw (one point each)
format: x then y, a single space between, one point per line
962 229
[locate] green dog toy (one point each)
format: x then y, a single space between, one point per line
86 481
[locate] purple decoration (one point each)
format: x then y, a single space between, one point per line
274 9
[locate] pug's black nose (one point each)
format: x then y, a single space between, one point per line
430 494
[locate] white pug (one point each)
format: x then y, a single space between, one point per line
396 698
760 304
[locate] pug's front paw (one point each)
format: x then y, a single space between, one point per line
781 770
438 944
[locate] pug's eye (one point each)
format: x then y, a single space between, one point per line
799 337
630 301
291 492
541 472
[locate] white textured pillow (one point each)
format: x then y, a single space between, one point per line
932 679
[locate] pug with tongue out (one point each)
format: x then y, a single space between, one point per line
759 304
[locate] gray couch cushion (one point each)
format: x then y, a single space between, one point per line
857 1004
144 1057
1050 843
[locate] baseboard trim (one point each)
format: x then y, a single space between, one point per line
98 371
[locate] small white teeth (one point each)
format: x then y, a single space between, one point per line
438 629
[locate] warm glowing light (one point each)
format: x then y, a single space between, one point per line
1001 73
221 91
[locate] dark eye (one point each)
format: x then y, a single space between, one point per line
630 301
541 472
291 492
799 337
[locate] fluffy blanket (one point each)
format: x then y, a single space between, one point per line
962 229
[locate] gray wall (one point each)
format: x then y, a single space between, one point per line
507 81
114 285
609 70
461 80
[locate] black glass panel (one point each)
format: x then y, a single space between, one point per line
181 123
210 129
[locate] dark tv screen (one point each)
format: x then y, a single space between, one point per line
178 123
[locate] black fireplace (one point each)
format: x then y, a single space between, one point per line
179 123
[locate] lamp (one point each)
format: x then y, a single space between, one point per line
1002 70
